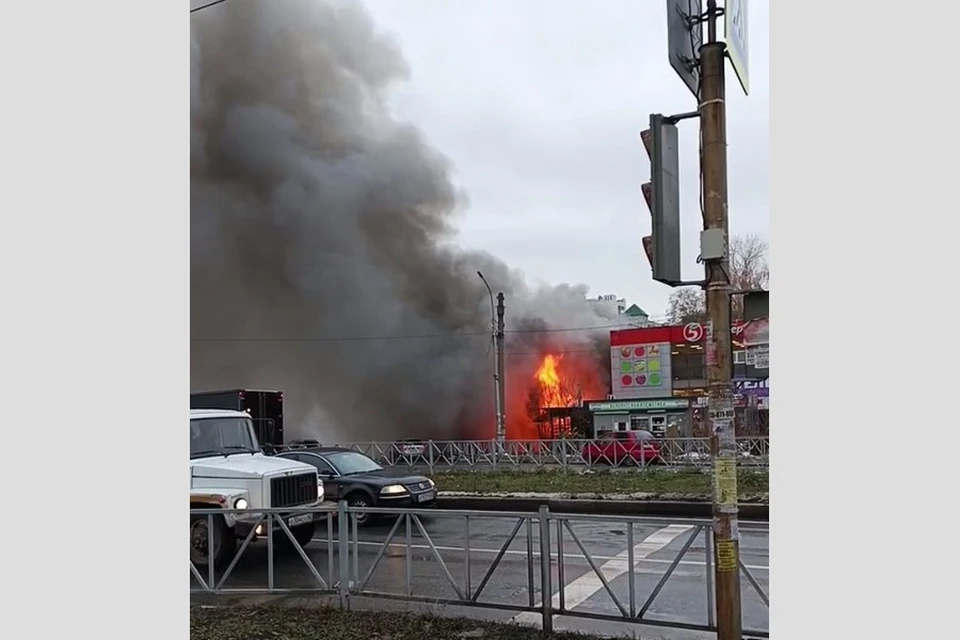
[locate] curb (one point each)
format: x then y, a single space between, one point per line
672 509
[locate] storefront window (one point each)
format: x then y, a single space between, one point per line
689 367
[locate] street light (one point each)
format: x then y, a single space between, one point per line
501 431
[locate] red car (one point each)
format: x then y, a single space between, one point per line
623 447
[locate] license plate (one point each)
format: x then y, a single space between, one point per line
300 519
425 497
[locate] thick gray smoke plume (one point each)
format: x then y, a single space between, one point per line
319 222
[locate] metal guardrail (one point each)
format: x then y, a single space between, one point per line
545 573
554 454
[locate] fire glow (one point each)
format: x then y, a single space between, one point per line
559 376
552 391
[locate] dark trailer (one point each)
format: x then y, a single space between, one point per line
264 407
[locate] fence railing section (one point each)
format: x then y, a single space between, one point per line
553 558
436 454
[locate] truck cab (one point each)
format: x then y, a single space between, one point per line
229 471
264 407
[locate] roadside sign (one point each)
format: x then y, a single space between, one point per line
721 410
684 38
736 32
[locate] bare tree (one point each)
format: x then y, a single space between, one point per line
748 262
686 305
749 270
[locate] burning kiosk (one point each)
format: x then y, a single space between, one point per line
555 405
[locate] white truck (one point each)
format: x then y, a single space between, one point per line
228 470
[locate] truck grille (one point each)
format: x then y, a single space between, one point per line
290 491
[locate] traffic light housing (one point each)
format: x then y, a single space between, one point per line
662 194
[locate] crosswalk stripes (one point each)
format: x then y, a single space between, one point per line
580 590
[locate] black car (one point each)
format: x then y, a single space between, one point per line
356 478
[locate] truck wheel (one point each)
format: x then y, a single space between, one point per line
303 534
217 546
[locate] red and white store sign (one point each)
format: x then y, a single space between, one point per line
693 332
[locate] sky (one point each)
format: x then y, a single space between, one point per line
539 105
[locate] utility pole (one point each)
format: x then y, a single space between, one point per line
501 390
496 336
714 251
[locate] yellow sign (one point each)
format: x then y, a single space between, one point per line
726 555
725 481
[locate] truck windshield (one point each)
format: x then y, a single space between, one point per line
221 436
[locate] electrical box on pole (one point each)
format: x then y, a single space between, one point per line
662 194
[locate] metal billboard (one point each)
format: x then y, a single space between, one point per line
736 33
684 37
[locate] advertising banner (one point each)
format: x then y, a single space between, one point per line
641 371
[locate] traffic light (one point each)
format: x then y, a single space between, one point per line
662 194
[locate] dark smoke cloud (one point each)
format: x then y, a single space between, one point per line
316 215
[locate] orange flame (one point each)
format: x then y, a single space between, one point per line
552 393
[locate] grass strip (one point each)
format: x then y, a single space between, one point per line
268 622
751 484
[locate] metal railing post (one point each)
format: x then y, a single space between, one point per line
343 554
430 455
711 605
546 590
211 541
270 544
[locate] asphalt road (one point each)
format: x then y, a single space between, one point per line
656 543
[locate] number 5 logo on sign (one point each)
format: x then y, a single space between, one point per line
693 332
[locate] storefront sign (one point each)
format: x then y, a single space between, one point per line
640 405
757 392
751 383
640 371
693 332
676 334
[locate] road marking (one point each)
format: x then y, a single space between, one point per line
580 590
575 555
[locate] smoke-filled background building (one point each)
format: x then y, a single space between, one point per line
323 250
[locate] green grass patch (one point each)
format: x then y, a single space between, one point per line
751 483
325 623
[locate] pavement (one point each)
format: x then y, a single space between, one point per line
610 505
656 543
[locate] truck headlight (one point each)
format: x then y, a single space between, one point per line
393 490
240 503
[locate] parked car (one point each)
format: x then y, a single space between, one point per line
303 443
623 447
359 480
406 452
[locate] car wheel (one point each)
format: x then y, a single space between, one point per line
360 500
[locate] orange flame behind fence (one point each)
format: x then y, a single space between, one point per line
552 392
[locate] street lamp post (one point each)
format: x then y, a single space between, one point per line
501 430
